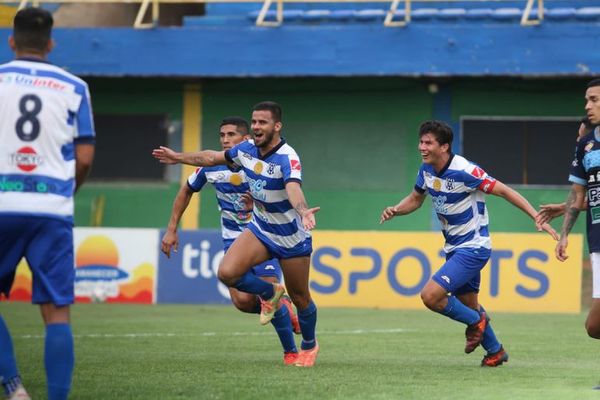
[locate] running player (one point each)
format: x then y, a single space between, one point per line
231 187
47 136
280 225
456 187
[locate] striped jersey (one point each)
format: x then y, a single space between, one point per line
273 216
457 193
44 112
229 186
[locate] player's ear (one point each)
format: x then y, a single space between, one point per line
50 46
11 43
278 125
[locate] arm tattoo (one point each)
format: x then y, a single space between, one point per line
571 214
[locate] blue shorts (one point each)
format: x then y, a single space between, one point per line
303 249
462 271
269 268
47 245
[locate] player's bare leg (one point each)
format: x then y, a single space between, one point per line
592 323
234 271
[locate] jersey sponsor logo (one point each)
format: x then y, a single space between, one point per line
26 159
487 185
588 147
295 165
246 155
439 204
594 196
235 179
256 187
437 185
37 82
478 172
258 168
444 277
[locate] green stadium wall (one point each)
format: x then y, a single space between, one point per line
356 138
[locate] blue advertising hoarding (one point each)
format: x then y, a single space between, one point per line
190 275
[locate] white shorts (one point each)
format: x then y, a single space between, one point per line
595 260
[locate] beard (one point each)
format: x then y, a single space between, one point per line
265 139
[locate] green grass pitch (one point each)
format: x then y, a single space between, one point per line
216 352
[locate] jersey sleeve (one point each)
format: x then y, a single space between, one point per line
577 173
292 169
233 154
83 118
475 178
420 185
197 180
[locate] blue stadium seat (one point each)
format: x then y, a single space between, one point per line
422 14
451 14
560 14
292 15
507 14
369 15
315 15
588 13
478 14
341 15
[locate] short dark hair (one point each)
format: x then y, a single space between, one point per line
593 82
440 130
240 123
588 124
32 28
269 106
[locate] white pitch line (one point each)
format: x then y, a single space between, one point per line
216 334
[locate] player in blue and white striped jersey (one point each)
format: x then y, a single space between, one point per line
280 225
457 188
47 147
232 195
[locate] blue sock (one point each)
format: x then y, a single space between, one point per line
283 326
8 363
459 312
250 283
59 359
489 341
308 323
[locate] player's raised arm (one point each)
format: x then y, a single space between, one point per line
170 239
407 205
297 200
574 204
204 158
516 199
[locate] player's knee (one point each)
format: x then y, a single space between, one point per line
245 304
593 329
226 277
300 300
431 300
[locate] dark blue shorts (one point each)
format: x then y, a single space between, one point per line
269 268
462 271
47 245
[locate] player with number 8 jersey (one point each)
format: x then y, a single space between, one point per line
47 136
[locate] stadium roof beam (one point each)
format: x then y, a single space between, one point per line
525 21
389 17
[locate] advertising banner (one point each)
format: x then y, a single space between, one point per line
190 275
389 270
111 265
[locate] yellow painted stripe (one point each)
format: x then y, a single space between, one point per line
192 139
7 14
